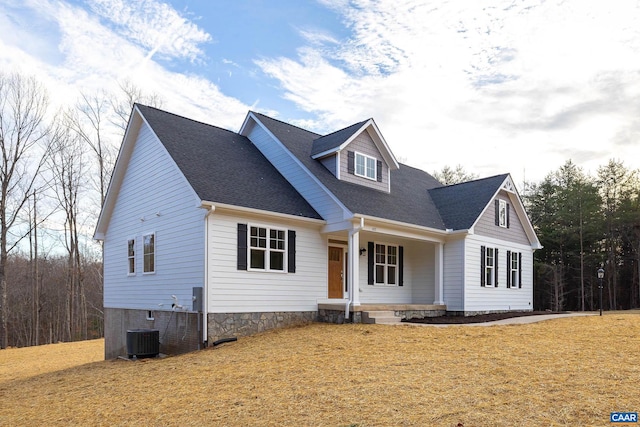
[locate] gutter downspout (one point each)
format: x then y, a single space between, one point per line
205 290
351 264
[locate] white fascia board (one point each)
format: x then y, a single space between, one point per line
224 207
122 161
404 229
377 138
508 186
245 126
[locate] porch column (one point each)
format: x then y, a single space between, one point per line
354 266
439 274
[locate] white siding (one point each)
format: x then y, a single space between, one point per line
153 185
238 291
453 286
419 273
318 197
479 298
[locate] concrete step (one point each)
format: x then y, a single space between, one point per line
380 317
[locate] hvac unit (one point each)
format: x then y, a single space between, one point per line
143 343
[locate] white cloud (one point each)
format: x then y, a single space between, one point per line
155 26
91 57
495 86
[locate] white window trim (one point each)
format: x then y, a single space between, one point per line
489 279
385 264
155 253
267 250
132 273
515 272
502 213
355 166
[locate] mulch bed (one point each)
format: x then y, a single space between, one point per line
480 318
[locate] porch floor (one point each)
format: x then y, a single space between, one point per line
383 307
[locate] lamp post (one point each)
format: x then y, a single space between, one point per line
600 277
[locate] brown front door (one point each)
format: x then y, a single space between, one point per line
335 272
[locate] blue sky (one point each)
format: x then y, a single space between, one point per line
496 86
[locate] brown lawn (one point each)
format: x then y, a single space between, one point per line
571 371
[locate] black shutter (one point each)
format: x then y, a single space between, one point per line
379 171
509 269
291 251
242 246
371 262
400 266
508 215
351 162
482 265
495 266
520 269
497 204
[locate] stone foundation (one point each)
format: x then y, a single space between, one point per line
228 325
418 314
337 316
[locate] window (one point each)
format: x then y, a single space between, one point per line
386 264
131 256
514 269
263 256
489 266
502 213
149 253
365 166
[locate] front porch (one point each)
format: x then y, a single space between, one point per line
369 313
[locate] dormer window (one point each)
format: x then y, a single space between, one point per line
365 166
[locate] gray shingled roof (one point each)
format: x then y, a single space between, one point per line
409 200
460 205
335 139
225 167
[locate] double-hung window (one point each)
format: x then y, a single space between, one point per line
149 253
489 266
365 166
131 256
386 264
514 270
266 248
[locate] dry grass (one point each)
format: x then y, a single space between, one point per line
571 371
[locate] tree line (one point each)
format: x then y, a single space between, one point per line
585 223
55 168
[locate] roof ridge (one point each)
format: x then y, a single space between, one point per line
345 128
183 117
472 181
283 122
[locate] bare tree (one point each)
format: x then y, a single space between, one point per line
67 166
23 105
89 121
450 176
129 95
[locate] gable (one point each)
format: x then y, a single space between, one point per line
488 226
363 145
408 201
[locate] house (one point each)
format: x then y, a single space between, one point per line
210 234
